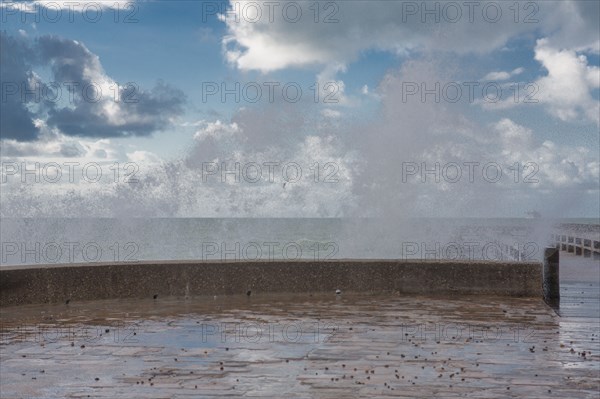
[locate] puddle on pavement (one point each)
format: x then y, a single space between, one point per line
297 346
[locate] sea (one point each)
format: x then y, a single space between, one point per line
91 240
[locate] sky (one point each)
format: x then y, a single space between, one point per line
300 108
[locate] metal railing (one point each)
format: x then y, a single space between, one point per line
580 246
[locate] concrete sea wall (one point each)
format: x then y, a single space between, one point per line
21 285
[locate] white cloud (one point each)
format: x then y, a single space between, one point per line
566 90
97 106
29 6
268 45
331 113
52 145
145 158
216 130
332 91
517 71
573 24
514 138
559 166
502 75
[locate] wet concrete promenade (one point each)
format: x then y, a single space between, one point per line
304 346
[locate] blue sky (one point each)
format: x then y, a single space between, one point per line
173 49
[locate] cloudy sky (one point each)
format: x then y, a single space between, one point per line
329 109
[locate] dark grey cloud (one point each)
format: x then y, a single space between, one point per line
71 150
15 118
590 12
78 112
149 112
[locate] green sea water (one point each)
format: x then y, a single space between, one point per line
48 241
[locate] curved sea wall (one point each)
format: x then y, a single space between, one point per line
37 284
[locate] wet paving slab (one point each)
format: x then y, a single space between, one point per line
304 346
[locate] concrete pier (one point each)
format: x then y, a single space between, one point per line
551 277
581 240
305 345
21 285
